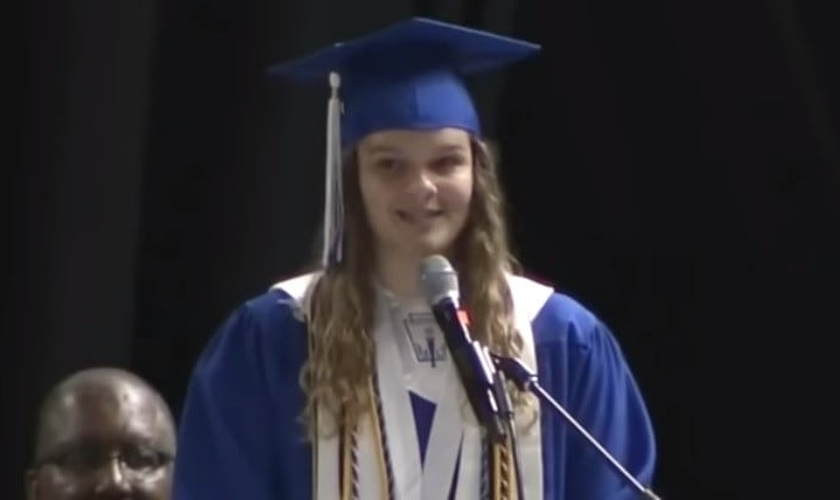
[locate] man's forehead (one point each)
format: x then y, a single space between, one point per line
110 410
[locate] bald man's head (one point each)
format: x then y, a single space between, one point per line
103 433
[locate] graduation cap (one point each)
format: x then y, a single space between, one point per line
407 76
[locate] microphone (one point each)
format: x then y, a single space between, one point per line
526 380
439 283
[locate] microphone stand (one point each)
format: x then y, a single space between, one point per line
506 410
526 380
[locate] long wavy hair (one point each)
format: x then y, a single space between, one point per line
339 305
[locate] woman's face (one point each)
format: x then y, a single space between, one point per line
416 188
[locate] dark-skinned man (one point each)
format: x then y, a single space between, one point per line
103 433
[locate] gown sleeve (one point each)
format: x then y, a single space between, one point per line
238 425
590 377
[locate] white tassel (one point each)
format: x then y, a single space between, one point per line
332 252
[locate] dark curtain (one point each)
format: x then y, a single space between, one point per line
673 166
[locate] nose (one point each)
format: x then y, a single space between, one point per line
420 184
112 480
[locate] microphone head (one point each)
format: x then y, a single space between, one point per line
438 279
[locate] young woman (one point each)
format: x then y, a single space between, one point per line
338 383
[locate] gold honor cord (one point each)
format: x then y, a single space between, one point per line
502 478
503 475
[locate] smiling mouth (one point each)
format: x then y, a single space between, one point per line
421 216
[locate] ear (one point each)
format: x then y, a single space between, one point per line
31 485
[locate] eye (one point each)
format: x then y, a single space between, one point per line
140 459
387 164
448 162
80 459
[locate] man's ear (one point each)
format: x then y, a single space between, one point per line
31 480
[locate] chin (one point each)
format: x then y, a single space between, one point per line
425 247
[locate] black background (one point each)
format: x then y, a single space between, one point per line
673 166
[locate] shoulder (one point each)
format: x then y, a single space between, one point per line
266 324
281 303
555 316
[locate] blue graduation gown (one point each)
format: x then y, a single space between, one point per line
239 437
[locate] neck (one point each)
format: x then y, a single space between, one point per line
398 274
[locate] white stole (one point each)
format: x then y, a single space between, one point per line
411 481
399 374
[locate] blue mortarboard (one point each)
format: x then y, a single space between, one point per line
406 76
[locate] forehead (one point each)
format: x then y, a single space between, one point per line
106 413
416 139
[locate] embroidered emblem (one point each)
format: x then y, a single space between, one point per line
422 332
